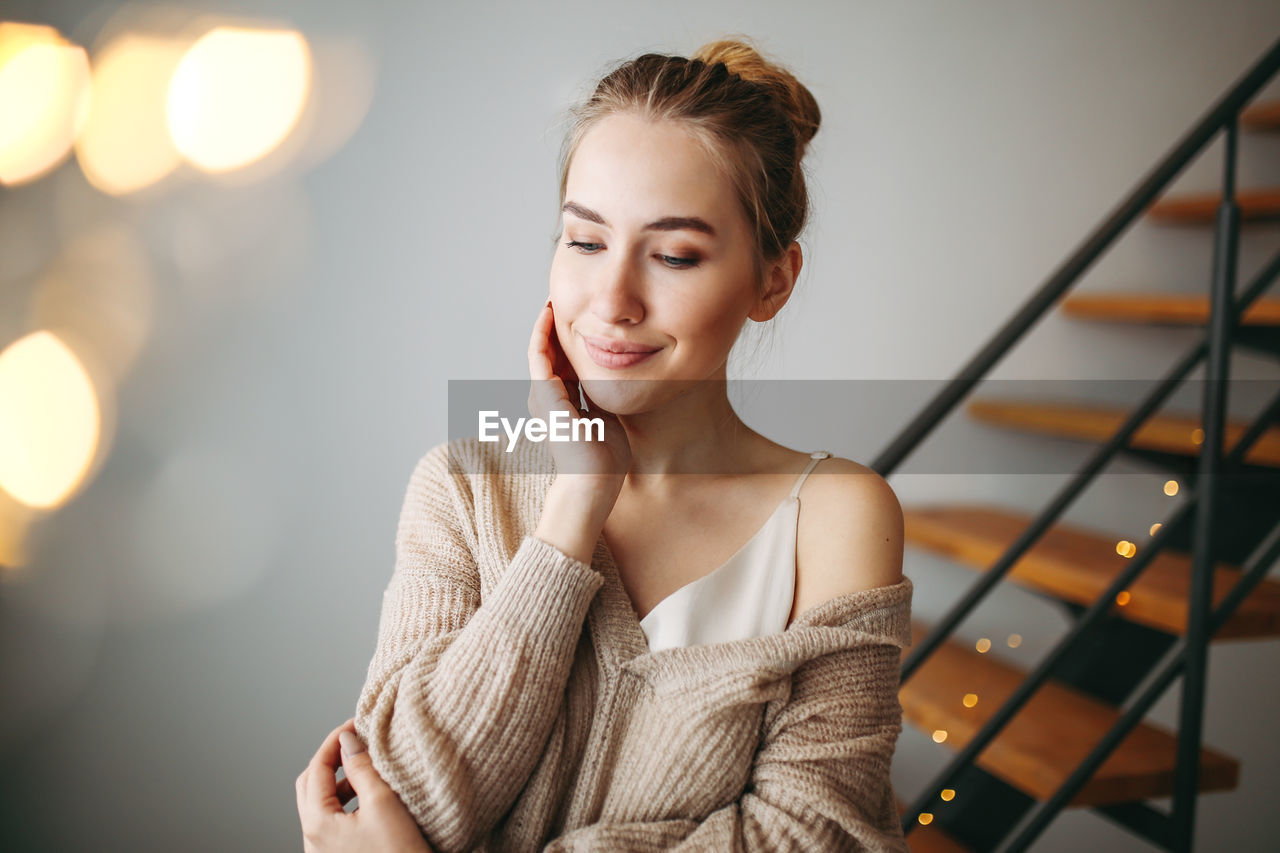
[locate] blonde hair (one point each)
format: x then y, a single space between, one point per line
752 117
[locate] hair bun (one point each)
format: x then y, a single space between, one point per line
744 59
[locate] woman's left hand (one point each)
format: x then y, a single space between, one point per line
380 822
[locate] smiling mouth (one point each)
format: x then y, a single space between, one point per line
622 347
616 360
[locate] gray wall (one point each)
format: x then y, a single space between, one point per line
195 620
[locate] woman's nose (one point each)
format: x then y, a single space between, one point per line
618 294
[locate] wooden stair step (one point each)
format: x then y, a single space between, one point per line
1050 735
1163 309
931 838
1261 204
1077 565
1167 433
1262 116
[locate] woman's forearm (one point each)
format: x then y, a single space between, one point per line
463 687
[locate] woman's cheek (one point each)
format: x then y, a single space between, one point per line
567 279
717 333
570 345
560 268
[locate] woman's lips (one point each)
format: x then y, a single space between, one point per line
615 360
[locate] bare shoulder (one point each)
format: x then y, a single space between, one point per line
849 533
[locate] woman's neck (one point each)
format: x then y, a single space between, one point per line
696 433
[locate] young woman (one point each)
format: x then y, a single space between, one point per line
641 642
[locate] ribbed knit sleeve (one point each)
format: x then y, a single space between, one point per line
819 780
462 690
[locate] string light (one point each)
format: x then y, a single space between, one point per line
1122 597
983 645
948 794
1171 487
1015 640
970 699
925 818
1154 528
939 735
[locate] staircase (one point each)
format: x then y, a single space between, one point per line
1071 733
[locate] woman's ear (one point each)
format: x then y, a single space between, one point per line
780 280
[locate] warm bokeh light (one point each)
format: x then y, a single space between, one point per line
948 794
125 144
1171 487
939 735
1197 436
1122 597
1014 640
982 645
925 818
50 422
44 99
970 699
236 94
1154 528
1125 548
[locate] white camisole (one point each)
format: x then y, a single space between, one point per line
750 595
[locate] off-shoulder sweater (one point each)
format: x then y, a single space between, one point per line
513 704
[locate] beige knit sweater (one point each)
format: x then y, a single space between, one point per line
513 704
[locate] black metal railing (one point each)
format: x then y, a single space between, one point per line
1172 831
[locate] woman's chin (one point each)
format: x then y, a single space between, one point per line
623 396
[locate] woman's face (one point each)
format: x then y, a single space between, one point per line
661 259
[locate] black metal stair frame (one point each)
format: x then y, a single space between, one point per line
1187 655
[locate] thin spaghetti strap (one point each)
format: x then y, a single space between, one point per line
814 457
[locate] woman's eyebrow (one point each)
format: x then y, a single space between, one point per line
667 223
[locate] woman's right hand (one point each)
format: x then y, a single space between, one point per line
600 466
589 474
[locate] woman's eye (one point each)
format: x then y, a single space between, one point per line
673 262
680 263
